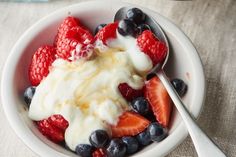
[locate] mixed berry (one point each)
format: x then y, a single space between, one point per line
150 107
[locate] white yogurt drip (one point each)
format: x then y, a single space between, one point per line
85 93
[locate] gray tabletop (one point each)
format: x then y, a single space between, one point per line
210 24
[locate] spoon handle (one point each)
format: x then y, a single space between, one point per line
204 146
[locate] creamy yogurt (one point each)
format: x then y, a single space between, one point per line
86 93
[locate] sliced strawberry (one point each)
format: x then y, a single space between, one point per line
129 124
40 64
128 92
159 100
51 132
58 121
151 46
107 32
99 153
68 23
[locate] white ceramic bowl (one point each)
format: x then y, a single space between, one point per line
184 63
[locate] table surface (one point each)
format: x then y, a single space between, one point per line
210 24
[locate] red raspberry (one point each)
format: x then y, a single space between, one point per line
53 128
107 32
71 49
51 132
58 121
129 93
65 26
99 153
75 44
40 63
151 46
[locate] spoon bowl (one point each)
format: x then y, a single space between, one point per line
156 29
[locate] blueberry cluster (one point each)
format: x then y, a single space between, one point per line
134 23
119 147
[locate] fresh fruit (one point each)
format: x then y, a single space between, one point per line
65 26
159 100
99 153
58 121
131 143
129 124
116 148
157 132
76 43
142 27
84 150
99 27
136 15
50 131
40 64
151 46
140 105
180 86
99 138
127 27
107 32
144 138
54 127
28 94
128 92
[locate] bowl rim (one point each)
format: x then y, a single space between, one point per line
42 149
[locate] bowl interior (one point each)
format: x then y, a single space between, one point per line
183 63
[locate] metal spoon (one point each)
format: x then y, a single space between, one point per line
204 146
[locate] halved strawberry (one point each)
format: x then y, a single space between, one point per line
99 153
159 100
129 124
107 32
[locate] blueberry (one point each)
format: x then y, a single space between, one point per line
157 132
99 27
180 86
99 138
116 148
136 15
131 143
84 150
144 138
127 27
142 27
28 94
140 105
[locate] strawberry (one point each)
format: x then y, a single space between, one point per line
107 32
40 63
151 46
99 153
159 100
53 127
129 93
129 124
65 26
